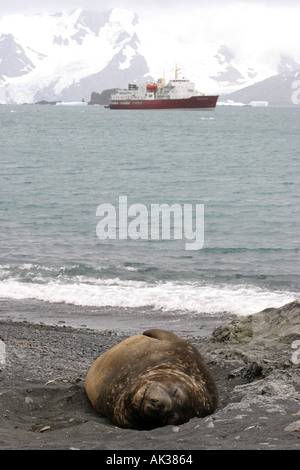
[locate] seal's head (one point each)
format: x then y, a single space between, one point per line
158 403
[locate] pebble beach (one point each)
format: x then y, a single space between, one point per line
43 404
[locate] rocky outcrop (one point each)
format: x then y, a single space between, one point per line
43 102
263 350
266 339
102 98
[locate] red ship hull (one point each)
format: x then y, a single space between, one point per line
194 102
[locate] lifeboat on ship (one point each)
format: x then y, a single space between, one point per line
151 87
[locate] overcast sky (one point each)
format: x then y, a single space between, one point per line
151 7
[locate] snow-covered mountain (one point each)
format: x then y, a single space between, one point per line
68 55
223 72
280 90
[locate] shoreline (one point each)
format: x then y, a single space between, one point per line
44 406
123 320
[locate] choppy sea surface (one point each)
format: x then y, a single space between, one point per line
59 164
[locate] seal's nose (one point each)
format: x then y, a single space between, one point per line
157 401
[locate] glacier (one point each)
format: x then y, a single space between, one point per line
67 55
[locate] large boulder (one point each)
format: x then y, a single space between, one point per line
266 339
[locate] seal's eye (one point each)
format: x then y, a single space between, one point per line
153 402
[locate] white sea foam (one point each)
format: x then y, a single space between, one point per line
165 296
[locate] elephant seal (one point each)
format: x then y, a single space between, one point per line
150 380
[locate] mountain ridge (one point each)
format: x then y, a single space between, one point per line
65 56
77 52
279 90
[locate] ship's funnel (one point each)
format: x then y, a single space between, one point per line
161 82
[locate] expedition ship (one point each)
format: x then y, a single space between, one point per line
177 94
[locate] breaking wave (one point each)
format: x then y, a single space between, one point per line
57 285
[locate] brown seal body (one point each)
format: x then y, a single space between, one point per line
150 380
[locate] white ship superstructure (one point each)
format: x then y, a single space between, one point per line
177 94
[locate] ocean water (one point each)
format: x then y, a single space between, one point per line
59 164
